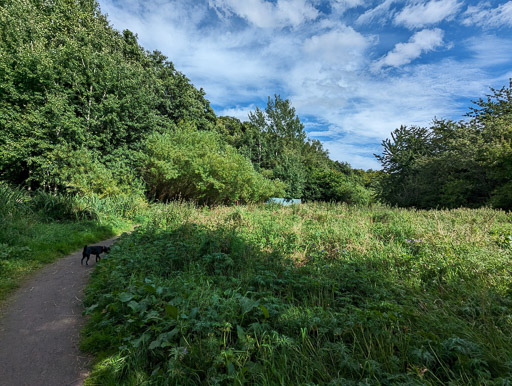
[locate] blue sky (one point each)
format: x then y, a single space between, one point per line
354 70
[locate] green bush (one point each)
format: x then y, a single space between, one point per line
332 185
502 196
12 201
198 165
58 207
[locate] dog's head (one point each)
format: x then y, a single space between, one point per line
106 249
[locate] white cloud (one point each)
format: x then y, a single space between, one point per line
240 112
359 154
264 14
296 12
484 16
420 14
403 53
341 6
489 50
381 12
343 46
231 65
257 12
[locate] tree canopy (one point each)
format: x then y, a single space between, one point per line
80 102
69 81
452 164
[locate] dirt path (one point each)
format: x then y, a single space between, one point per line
40 327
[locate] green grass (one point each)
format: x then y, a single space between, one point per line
310 294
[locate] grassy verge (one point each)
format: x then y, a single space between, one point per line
313 294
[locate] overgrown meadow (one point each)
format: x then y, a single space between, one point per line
309 294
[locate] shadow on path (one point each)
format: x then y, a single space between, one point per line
40 326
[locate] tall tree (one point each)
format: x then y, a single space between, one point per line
69 81
279 146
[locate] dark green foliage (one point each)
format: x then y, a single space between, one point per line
179 100
453 164
333 185
312 294
73 87
198 165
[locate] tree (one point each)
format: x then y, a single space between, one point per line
178 99
493 119
399 158
277 143
452 164
68 80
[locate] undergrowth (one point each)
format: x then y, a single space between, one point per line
311 294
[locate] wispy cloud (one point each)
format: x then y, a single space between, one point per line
485 16
490 51
340 6
379 13
421 14
264 14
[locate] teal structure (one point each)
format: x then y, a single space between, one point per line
284 201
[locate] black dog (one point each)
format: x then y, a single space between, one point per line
94 250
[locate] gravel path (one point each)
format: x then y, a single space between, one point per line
40 326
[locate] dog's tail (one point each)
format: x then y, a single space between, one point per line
85 248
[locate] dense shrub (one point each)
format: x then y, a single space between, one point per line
332 185
198 165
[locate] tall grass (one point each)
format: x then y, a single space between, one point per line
310 294
12 201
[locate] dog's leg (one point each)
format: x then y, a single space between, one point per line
97 258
